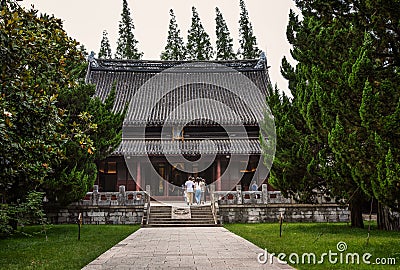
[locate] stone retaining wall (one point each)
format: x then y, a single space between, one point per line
291 213
96 214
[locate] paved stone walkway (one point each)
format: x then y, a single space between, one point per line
183 248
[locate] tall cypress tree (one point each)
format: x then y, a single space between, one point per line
248 42
296 148
175 48
353 84
126 44
345 92
198 46
224 40
315 80
105 48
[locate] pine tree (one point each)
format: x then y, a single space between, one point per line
175 48
345 90
105 48
248 42
224 40
126 44
315 80
295 148
198 46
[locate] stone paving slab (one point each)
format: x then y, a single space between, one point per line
183 248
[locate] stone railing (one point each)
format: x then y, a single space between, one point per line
250 197
257 197
121 198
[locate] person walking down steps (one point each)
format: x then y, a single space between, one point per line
203 191
197 190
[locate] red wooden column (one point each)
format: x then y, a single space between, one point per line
138 178
218 181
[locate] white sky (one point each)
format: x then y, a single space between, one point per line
85 21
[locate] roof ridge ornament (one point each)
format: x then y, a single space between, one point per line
261 61
92 60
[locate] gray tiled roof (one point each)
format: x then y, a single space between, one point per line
154 107
133 147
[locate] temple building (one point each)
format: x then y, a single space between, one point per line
183 119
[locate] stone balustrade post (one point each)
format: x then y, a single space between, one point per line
95 195
121 195
148 192
239 199
264 189
212 193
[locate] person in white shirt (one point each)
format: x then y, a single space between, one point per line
189 184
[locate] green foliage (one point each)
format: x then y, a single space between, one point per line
36 62
30 211
224 40
52 131
293 172
5 227
105 48
248 41
345 91
96 132
175 48
198 46
71 183
386 186
26 212
108 133
126 44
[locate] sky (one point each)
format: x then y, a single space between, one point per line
85 20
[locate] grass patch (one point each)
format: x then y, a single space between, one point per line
319 238
61 250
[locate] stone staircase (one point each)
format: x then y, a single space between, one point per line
168 216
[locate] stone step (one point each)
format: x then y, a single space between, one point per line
177 221
184 219
201 212
191 218
161 216
181 220
160 211
160 208
209 217
201 215
180 225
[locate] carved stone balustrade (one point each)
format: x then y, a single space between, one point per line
121 198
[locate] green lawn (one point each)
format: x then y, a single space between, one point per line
61 250
319 238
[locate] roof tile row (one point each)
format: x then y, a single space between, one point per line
132 147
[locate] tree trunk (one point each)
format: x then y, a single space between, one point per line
355 206
388 220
